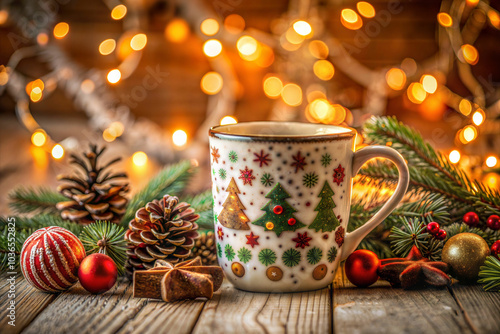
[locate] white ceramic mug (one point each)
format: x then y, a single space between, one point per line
282 195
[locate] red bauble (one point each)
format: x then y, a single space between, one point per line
292 221
97 273
493 222
278 209
440 234
361 268
50 258
471 219
495 249
433 228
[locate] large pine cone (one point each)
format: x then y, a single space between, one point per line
162 230
97 195
206 249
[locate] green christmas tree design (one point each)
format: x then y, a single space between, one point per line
232 215
325 220
279 214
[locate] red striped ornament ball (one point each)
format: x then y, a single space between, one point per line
50 259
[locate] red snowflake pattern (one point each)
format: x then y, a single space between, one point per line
302 240
262 159
247 175
215 154
339 236
338 175
252 239
298 162
220 234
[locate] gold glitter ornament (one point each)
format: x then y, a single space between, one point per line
465 253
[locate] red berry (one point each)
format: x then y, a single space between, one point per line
278 209
495 249
440 235
291 221
361 268
433 228
493 222
471 219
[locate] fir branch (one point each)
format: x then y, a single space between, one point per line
171 180
488 235
6 242
412 233
203 204
489 274
40 221
33 200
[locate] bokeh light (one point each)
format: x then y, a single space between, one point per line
61 30
350 19
454 156
292 94
273 87
211 83
318 49
139 158
469 54
445 19
478 117
4 15
469 133
116 128
179 138
212 48
302 28
416 92
491 161
138 42
39 138
57 151
114 76
365 9
177 31
429 83
42 38
465 107
107 46
293 37
247 45
494 18
209 27
396 78
226 120
323 69
108 135
234 24
118 12
87 86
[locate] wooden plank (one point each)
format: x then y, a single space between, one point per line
234 310
77 311
382 309
481 308
29 303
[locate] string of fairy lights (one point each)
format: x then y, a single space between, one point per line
305 56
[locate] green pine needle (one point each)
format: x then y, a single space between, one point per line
34 200
202 203
489 274
412 233
5 259
40 221
106 238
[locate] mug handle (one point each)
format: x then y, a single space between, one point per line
353 238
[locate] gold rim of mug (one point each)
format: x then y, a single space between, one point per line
214 132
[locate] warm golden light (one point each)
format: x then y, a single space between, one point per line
491 161
57 151
234 24
321 110
478 117
350 19
416 93
124 49
108 136
247 45
212 48
494 18
292 94
445 19
87 86
454 156
42 38
429 83
138 42
293 37
469 133
61 30
472 2
318 49
36 85
323 69
118 12
114 76
116 128
107 46
226 120
209 27
36 94
302 28
39 138
265 57
273 87
465 107
365 9
4 78
469 54
4 15
396 78
211 83
177 31
179 138
139 158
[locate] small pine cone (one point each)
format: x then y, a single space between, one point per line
95 195
162 230
205 248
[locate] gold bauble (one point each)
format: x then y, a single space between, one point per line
465 253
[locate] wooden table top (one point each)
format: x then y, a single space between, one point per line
341 308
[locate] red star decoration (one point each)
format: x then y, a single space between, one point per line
262 158
298 162
252 239
339 236
413 271
247 175
338 175
215 154
302 240
220 234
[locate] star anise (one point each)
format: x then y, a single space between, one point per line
414 271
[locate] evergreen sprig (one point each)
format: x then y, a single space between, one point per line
40 221
203 204
5 247
411 233
489 274
106 238
34 200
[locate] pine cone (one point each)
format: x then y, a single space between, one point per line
96 195
205 248
164 230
